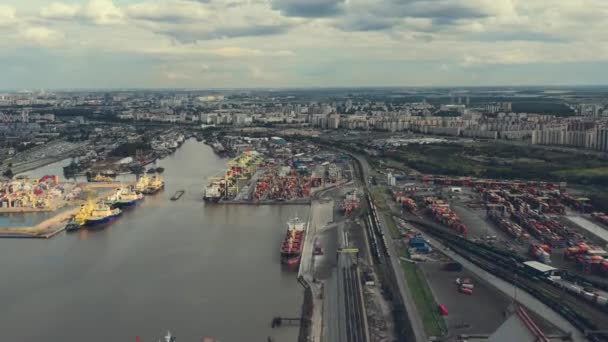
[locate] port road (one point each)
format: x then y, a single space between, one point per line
321 214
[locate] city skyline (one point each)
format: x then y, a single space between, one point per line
295 43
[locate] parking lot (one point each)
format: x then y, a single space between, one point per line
479 313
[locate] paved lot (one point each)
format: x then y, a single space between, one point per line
547 319
476 223
480 313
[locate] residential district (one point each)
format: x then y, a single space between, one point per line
435 214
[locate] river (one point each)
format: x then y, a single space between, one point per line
196 269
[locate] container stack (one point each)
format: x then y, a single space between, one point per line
442 213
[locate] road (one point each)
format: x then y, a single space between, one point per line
417 327
321 213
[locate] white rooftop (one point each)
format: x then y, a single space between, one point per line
540 266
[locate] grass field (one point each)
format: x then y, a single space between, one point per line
434 324
508 161
378 194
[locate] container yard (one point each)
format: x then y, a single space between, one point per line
44 194
350 203
442 213
65 202
540 221
267 171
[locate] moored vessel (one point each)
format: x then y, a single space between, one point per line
291 249
102 213
99 178
72 225
124 197
142 183
212 193
155 185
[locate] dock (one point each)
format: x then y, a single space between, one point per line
177 195
56 224
299 201
43 230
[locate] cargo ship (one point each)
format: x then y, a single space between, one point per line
142 183
124 197
102 213
155 185
291 249
213 193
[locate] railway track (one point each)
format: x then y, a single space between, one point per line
582 314
355 325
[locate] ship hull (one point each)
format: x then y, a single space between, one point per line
292 260
125 204
152 191
101 220
211 199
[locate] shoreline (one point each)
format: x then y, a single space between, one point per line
55 224
43 230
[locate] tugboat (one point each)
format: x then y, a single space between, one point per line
72 225
102 214
160 169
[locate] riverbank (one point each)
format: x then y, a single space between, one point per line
299 201
184 246
56 224
44 230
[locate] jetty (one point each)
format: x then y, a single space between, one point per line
56 224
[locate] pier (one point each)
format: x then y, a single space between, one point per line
300 201
56 224
279 321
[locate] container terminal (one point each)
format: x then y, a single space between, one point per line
374 249
70 205
267 171
391 255
539 229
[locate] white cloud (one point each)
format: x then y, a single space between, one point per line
177 76
60 10
8 15
171 11
40 35
235 51
241 41
104 12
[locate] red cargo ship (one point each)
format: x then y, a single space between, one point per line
291 249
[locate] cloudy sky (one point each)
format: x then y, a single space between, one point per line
293 43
